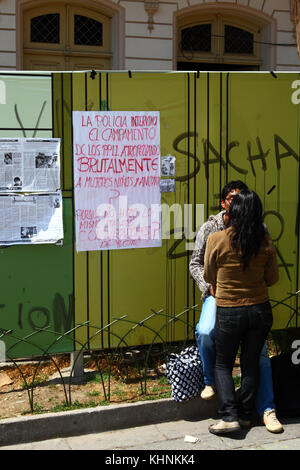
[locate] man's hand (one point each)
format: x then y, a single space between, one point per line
212 290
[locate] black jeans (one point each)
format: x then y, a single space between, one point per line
249 327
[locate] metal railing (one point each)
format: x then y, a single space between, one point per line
120 350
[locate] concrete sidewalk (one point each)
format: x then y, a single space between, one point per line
148 425
101 419
170 437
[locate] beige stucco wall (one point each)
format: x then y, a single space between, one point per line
145 50
141 55
7 34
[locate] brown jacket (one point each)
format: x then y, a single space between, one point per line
235 287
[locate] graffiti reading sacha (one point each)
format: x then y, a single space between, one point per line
281 150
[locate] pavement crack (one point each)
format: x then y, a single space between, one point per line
65 440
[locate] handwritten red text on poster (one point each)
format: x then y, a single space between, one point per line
116 164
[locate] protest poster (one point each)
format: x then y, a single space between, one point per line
116 179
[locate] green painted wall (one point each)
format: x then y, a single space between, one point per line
220 127
37 281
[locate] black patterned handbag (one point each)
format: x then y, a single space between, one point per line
184 372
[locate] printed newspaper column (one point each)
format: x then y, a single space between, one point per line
117 179
30 195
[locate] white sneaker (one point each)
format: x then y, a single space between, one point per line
224 427
208 392
271 422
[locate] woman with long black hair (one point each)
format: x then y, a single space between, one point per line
241 262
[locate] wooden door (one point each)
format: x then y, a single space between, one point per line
65 37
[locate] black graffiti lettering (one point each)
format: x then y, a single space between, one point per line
289 151
67 107
19 120
170 253
37 122
281 220
62 319
39 118
229 148
207 147
271 190
39 317
40 311
260 156
176 142
284 264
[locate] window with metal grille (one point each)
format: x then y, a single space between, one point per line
196 38
87 32
45 28
238 41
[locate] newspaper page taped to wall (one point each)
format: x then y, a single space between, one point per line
117 179
29 164
31 218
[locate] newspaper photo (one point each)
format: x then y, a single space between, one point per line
168 166
29 164
167 186
31 218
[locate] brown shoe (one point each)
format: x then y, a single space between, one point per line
224 427
271 422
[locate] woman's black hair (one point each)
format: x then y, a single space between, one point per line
245 216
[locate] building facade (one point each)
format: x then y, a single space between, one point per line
149 35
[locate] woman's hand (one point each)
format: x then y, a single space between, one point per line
212 290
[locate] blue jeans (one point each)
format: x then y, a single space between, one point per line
205 337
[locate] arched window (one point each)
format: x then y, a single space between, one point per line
45 28
87 32
218 41
66 36
238 41
196 38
